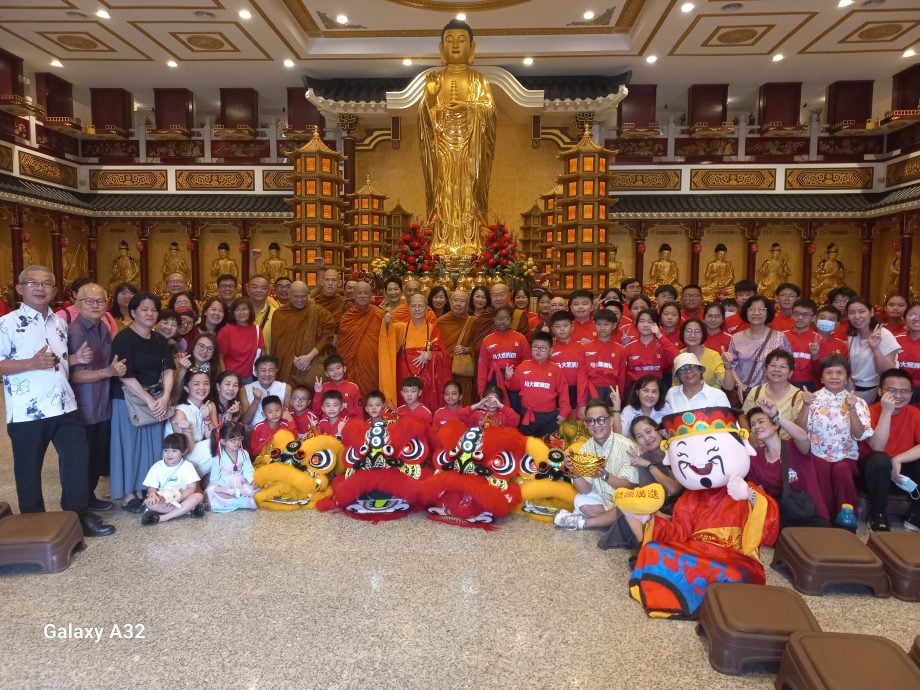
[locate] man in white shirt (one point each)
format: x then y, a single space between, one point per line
40 404
692 393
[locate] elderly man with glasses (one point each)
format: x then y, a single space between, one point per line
594 506
891 453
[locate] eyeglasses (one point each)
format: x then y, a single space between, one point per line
300 398
801 314
38 283
898 391
93 302
204 348
757 310
693 331
596 421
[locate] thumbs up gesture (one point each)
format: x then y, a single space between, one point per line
118 367
84 355
44 359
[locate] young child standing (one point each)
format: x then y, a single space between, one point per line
300 415
803 339
411 390
375 404
231 486
335 373
569 355
491 410
334 419
262 432
606 363
174 473
451 406
544 392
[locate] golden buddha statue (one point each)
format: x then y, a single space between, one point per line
894 279
719 277
662 272
75 263
828 274
125 269
222 265
273 267
457 126
615 271
173 262
773 271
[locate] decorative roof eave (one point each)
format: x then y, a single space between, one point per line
347 107
604 107
408 98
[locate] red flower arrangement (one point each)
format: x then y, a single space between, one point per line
500 252
413 254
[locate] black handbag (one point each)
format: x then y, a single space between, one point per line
794 506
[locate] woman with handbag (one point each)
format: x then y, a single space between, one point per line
784 469
140 401
746 356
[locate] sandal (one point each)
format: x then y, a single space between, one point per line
135 505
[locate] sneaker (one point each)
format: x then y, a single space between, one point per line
150 518
846 518
198 511
878 522
912 522
568 520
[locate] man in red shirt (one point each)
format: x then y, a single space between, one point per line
606 363
499 349
892 451
544 393
569 356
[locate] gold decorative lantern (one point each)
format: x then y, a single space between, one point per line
582 227
370 236
317 228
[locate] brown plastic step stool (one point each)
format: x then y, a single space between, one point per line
5 510
750 623
900 553
44 539
822 556
843 661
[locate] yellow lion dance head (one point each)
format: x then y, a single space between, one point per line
293 474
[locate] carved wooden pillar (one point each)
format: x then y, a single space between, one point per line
143 233
16 242
809 232
695 231
245 231
349 125
57 255
865 235
752 233
640 233
907 243
194 234
92 247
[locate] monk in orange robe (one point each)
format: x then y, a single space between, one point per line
452 326
359 337
303 332
410 286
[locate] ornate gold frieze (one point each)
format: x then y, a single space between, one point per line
904 171
6 158
829 178
47 170
732 179
237 180
128 179
278 180
644 180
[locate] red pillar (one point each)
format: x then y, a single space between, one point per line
907 244
57 256
695 249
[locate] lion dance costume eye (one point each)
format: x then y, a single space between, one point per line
473 480
385 462
545 487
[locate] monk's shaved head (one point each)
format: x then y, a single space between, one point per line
329 280
297 294
362 294
499 293
459 301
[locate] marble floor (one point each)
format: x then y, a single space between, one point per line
313 600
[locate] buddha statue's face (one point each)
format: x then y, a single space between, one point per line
665 254
457 48
720 254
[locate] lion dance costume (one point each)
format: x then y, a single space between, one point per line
545 487
295 474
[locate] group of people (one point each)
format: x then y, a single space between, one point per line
126 386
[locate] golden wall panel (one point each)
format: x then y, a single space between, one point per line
263 234
111 234
212 234
846 236
277 180
162 232
829 178
47 170
734 179
124 180
6 158
904 171
74 253
230 180
620 236
645 180
886 241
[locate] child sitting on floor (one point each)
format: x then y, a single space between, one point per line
451 406
411 389
172 485
263 431
491 410
231 486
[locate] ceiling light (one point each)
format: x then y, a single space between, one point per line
102 14
407 62
873 3
56 63
651 59
589 15
341 19
778 57
204 14
687 7
461 17
845 3
172 63
910 52
527 60
76 15
245 14
289 63
732 7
